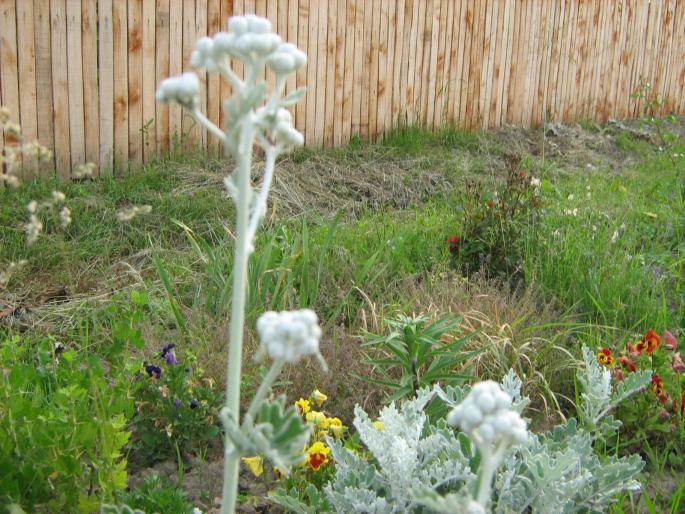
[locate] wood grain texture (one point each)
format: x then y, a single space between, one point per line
372 64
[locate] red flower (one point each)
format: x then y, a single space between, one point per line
453 243
604 357
627 363
677 363
490 204
670 342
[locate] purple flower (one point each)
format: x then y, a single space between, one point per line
177 403
153 371
194 404
168 354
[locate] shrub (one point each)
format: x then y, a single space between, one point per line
493 223
62 428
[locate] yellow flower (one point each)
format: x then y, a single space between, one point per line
317 418
317 454
336 427
303 406
318 397
378 425
254 464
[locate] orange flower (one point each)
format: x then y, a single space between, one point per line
651 340
604 357
627 363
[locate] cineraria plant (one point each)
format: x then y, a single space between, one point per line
253 116
494 464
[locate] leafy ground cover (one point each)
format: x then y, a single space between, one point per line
365 234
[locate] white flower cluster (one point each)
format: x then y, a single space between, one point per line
486 416
128 213
289 335
184 89
280 125
249 38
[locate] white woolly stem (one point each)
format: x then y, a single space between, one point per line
201 118
242 245
489 463
264 387
260 203
231 77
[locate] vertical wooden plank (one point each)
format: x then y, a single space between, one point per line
489 53
106 86
494 95
329 74
508 111
536 94
569 66
550 62
312 70
447 64
621 104
314 86
26 53
373 70
465 90
427 41
672 93
418 63
60 81
303 73
457 63
412 62
508 42
558 59
348 85
390 69
502 64
120 27
149 85
213 79
91 89
201 31
75 75
339 95
365 71
135 83
526 80
190 127
617 22
9 60
475 65
434 42
43 75
602 65
321 78
405 19
291 36
382 68
226 9
162 57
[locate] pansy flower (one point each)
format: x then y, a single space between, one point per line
254 464
317 455
153 371
194 404
657 385
648 343
336 427
604 357
303 406
167 354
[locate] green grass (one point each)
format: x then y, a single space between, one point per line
597 287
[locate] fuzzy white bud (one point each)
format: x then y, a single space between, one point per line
184 89
486 415
289 335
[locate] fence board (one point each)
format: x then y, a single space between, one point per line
46 130
372 64
60 81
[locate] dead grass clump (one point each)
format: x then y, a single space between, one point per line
511 325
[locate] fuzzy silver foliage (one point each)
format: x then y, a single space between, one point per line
419 465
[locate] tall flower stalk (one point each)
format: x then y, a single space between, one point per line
253 116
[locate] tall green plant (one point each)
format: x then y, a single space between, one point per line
253 116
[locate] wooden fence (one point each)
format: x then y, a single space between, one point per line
81 75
